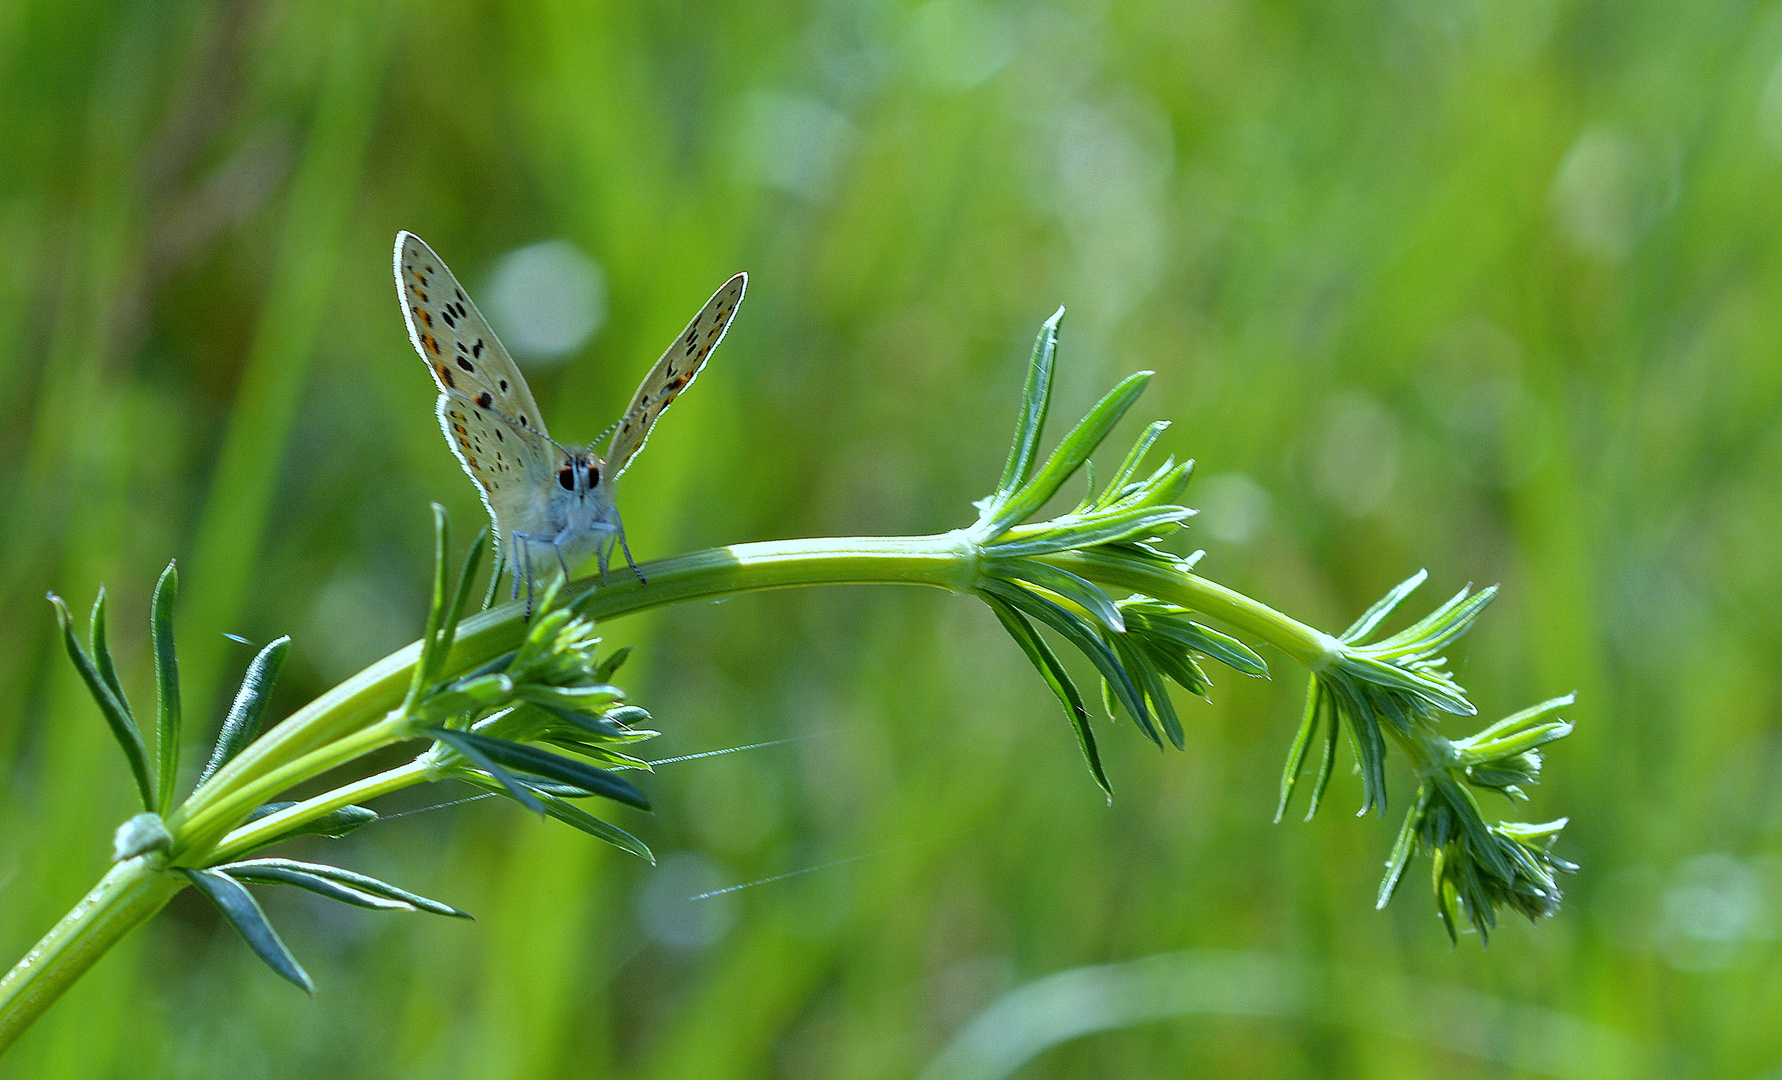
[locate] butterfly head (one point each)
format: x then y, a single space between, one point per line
579 471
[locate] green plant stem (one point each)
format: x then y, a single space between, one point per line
264 830
946 561
356 717
1313 648
195 829
125 897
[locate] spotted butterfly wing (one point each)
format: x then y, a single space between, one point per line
485 408
454 338
674 373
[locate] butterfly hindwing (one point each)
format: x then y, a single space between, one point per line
674 373
454 338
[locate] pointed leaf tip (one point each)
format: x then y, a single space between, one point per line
243 912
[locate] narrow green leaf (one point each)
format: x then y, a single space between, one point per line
521 757
168 722
1070 454
1517 720
1046 662
1134 457
1178 666
1384 607
614 660
1227 650
243 912
576 817
1369 746
1434 631
1439 694
495 569
321 886
1085 594
247 868
1036 397
101 652
1403 847
591 699
473 558
1063 534
605 754
1156 693
242 725
1088 641
588 730
1302 742
1145 616
1327 764
334 824
467 744
115 711
436 609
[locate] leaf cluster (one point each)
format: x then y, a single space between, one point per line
1365 692
486 724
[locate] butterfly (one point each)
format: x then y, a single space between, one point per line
539 493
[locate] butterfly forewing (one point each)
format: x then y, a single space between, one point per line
454 338
674 373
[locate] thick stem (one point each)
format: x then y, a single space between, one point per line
124 898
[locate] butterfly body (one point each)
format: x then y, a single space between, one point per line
549 502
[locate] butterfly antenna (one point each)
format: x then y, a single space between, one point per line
600 438
561 449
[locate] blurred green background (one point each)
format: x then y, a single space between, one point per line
1488 288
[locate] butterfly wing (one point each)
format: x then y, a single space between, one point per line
674 373
511 465
455 340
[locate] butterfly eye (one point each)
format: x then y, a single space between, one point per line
593 476
566 477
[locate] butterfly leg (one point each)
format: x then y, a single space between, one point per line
629 561
523 562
